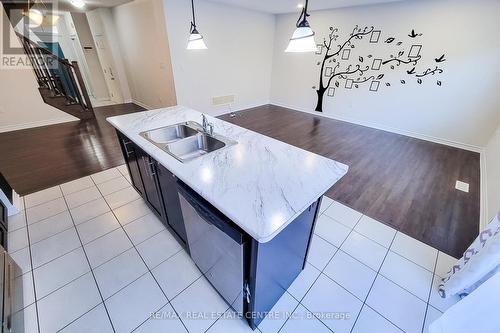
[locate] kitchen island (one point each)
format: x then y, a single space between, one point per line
257 199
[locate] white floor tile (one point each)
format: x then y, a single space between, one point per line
119 272
82 197
67 304
143 228
165 320
43 196
113 185
50 226
26 320
131 211
105 175
54 247
432 315
123 169
343 214
77 185
418 252
158 248
17 221
200 298
397 305
96 320
122 197
279 314
442 304
365 250
89 210
408 275
59 272
370 321
325 203
27 297
444 264
320 300
17 239
331 230
133 305
22 259
351 274
107 247
176 274
304 281
320 252
97 227
303 321
48 209
376 231
231 322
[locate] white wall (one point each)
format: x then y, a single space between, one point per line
492 166
463 112
238 59
142 36
21 105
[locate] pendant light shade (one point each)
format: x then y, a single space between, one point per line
35 18
195 41
303 37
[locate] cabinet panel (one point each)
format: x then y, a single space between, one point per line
130 155
147 167
168 186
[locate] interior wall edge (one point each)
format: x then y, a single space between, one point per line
483 205
353 120
55 121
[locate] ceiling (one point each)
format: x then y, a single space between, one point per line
90 4
290 6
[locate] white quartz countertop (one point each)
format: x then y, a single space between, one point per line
261 184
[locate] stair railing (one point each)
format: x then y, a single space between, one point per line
61 77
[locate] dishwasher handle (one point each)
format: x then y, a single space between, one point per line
210 214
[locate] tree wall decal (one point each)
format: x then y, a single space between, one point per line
333 70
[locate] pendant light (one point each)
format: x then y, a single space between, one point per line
35 18
195 41
303 37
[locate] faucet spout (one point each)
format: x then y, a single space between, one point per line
207 126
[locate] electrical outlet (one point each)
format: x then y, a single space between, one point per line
461 186
223 100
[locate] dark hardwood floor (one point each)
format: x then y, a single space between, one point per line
42 157
404 182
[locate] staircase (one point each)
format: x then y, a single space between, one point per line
60 82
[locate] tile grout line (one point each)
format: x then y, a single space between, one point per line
140 256
32 269
91 271
430 292
371 287
321 272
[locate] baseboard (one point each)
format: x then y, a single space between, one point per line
10 128
415 135
141 104
483 192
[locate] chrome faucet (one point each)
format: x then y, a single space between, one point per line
207 126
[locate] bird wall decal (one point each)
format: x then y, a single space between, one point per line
440 59
413 34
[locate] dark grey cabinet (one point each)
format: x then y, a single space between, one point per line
167 183
156 184
130 155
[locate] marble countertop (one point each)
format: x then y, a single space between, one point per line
261 184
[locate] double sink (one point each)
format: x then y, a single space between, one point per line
186 141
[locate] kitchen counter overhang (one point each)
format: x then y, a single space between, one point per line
260 183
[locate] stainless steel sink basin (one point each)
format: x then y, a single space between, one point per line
169 134
186 141
195 146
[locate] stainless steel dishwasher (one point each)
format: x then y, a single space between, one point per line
11 298
216 246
